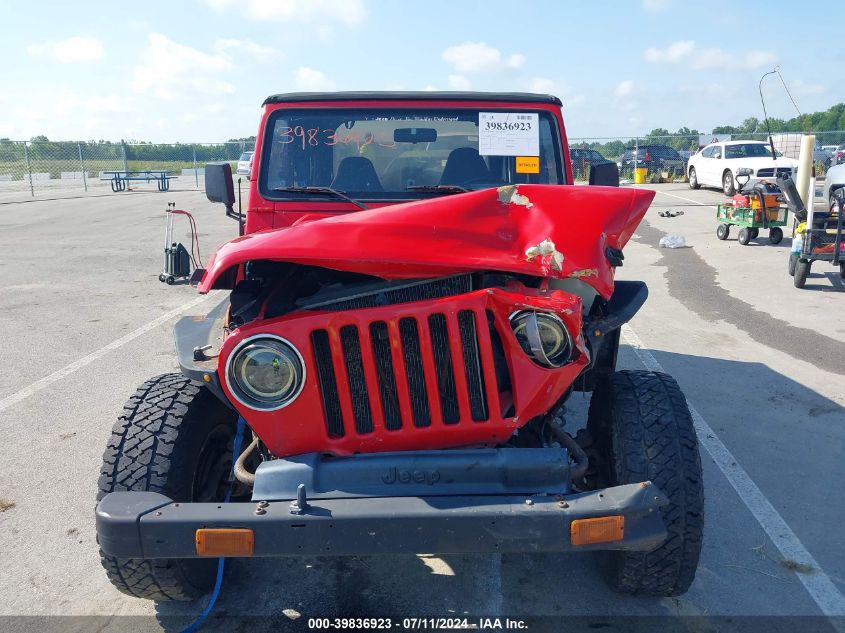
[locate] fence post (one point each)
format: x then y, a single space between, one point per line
82 164
28 169
636 155
196 175
123 149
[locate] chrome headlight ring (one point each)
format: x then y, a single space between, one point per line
286 366
544 337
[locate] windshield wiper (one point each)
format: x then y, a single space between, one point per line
440 188
323 190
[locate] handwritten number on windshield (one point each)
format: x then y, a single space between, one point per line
315 136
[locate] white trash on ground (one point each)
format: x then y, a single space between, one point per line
672 241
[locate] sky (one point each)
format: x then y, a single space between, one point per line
198 70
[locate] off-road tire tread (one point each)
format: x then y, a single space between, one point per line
647 420
802 271
138 457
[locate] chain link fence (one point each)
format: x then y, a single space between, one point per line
30 169
665 157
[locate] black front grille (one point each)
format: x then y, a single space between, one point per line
438 330
411 351
328 383
387 293
356 379
386 377
769 172
472 366
443 367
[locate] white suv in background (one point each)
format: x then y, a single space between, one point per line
245 163
717 165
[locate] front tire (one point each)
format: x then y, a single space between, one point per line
793 260
744 236
175 438
693 179
644 430
802 271
722 231
728 185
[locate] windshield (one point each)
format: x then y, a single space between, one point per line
748 150
245 156
389 154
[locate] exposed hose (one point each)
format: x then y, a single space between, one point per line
221 562
581 460
241 473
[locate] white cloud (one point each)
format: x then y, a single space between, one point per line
430 88
559 89
37 50
259 52
674 53
310 79
346 11
803 88
94 104
459 82
541 84
169 70
687 52
478 57
624 88
70 50
655 6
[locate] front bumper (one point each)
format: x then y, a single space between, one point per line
150 525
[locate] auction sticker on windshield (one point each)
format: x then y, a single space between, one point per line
508 134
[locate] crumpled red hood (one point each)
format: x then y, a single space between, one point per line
541 230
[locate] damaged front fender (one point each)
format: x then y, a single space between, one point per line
539 230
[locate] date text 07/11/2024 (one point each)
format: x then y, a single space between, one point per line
418 624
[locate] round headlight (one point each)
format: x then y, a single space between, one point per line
543 337
265 373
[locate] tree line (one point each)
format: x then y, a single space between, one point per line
42 148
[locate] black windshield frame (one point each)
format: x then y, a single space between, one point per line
266 188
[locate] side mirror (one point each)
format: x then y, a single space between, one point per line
604 174
219 187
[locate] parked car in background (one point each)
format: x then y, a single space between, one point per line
839 155
589 156
717 165
245 163
654 158
834 180
822 155
582 158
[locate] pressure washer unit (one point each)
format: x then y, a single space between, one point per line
177 259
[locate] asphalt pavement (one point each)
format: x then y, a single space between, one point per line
85 320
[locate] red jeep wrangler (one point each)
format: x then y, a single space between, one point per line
418 289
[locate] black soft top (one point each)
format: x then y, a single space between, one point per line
526 97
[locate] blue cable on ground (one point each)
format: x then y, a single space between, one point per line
236 451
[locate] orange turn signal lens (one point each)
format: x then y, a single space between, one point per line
597 530
225 542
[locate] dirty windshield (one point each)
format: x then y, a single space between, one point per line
390 154
748 150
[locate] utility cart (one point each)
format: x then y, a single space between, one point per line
819 237
761 208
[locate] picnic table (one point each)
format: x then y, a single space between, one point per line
120 179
